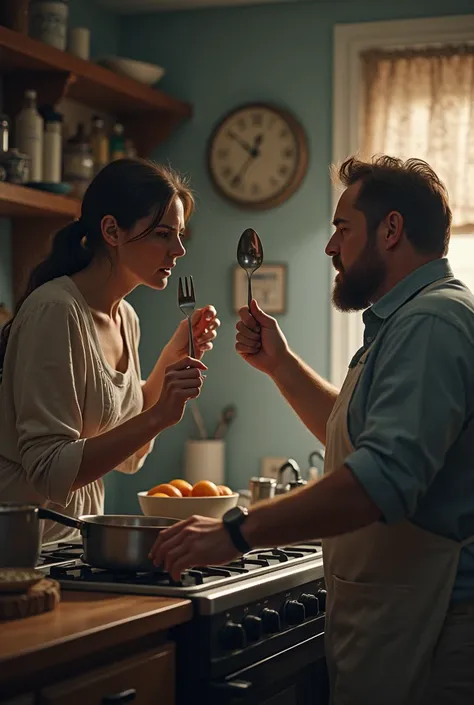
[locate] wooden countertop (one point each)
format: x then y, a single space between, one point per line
83 623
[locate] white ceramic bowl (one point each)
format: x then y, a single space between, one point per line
140 71
184 507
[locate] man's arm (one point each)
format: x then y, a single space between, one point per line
334 505
309 395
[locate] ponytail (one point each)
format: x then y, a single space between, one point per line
68 256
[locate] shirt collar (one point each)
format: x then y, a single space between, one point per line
408 287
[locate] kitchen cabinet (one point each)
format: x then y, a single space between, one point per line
93 649
147 679
149 116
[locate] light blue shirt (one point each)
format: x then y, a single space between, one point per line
411 417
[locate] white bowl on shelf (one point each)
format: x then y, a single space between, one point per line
140 71
184 507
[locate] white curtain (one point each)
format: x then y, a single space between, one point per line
420 103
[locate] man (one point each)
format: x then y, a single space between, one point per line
396 505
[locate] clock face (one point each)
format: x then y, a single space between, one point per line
257 156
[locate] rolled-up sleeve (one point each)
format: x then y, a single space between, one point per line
48 392
416 408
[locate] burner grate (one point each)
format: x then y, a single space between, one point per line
64 564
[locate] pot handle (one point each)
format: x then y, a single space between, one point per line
60 518
290 465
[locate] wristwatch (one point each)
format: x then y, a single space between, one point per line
233 520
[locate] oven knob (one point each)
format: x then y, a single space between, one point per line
322 599
270 621
232 636
294 612
253 627
311 604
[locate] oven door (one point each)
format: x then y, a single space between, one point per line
296 676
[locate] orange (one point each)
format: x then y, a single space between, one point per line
224 490
158 494
166 489
205 489
184 487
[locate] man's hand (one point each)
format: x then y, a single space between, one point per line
260 340
197 541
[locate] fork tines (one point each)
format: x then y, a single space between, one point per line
186 290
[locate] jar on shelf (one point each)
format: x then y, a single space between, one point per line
99 143
52 145
78 162
4 133
29 135
48 22
16 166
117 142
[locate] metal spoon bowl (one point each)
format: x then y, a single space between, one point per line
250 256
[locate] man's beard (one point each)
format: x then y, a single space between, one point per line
357 286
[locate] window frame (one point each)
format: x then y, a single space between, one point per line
350 40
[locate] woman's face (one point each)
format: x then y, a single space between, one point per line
150 259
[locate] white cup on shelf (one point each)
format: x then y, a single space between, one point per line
204 460
79 43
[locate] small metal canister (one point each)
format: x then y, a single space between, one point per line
261 488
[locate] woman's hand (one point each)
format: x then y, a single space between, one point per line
205 324
182 381
193 542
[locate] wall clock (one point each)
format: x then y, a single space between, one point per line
257 156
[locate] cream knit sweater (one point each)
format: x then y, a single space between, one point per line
57 390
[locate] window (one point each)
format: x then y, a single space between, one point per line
365 57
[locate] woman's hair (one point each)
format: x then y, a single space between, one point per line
128 189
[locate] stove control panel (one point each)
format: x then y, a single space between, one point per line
247 625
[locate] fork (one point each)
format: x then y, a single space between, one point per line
187 302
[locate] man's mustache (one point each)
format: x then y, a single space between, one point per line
337 264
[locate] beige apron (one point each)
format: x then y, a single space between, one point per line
389 589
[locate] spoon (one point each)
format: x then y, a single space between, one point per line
250 256
227 416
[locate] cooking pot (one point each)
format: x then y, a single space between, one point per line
111 541
297 481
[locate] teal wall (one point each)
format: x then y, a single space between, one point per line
217 59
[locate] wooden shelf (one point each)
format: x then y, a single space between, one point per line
23 202
149 115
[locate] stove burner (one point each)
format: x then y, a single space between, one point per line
64 564
60 552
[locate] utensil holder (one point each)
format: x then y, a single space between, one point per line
204 460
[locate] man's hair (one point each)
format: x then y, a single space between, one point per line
412 188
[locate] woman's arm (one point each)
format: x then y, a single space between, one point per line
49 393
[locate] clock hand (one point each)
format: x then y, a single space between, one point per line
240 141
254 153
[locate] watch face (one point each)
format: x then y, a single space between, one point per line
257 156
234 514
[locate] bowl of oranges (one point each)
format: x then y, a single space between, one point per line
179 499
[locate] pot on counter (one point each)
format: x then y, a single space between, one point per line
21 535
297 481
112 541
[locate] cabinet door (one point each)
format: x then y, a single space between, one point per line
147 679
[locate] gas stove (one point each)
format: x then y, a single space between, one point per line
212 588
258 626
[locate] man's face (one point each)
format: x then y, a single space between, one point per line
355 255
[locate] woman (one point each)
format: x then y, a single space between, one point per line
72 404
